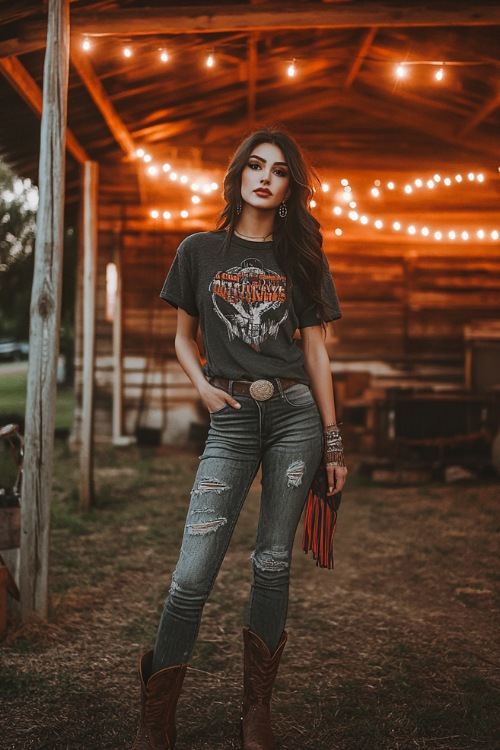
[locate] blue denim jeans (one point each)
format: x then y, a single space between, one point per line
283 436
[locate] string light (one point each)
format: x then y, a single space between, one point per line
291 70
439 74
86 44
210 61
127 52
164 57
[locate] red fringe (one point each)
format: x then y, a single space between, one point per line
320 522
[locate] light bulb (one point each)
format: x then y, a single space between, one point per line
214 186
195 199
408 189
291 69
338 231
375 192
184 214
379 224
364 219
140 153
494 235
155 214
184 179
325 187
163 56
480 234
337 211
390 186
396 226
425 231
210 61
401 71
353 215
86 44
465 235
439 74
152 170
438 235
166 167
173 176
147 158
452 235
127 52
313 204
167 215
418 182
411 230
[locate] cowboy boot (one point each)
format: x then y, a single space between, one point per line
259 673
159 696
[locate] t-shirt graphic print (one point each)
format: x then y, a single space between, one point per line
251 300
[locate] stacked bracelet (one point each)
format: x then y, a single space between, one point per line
334 448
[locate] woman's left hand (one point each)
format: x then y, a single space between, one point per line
337 476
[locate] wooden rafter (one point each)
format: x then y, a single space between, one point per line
363 51
481 114
20 80
94 87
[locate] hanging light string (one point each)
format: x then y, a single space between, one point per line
352 212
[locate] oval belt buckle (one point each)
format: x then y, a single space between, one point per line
261 390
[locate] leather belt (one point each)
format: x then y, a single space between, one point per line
259 390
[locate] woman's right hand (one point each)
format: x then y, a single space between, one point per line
216 399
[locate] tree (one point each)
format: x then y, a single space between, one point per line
18 207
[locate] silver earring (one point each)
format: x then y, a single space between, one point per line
283 210
238 208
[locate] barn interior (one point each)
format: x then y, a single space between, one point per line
398 106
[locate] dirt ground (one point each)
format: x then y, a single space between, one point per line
395 649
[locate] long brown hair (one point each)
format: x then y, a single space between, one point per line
297 240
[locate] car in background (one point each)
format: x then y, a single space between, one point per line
12 350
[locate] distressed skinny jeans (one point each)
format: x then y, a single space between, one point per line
283 436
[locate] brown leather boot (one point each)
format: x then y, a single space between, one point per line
159 696
260 670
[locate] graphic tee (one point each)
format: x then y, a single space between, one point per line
247 316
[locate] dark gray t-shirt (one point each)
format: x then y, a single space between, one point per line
247 319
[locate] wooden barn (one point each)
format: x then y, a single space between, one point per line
397 104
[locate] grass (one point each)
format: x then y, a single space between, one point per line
394 650
13 399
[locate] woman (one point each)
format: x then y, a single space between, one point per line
249 286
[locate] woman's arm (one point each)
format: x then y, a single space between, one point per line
317 364
188 354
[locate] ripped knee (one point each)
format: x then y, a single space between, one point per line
274 561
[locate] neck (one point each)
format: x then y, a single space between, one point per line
259 238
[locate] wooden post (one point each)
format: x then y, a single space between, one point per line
117 343
45 320
89 230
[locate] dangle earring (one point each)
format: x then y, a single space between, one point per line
238 208
283 210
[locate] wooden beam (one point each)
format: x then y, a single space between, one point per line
365 46
182 19
95 88
28 89
45 321
89 296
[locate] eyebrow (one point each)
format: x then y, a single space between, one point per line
264 161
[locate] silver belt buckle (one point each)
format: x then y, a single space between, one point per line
261 390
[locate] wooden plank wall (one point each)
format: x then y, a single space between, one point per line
407 303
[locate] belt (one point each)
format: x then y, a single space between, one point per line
259 390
